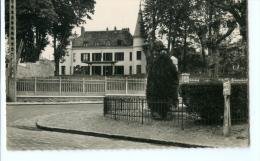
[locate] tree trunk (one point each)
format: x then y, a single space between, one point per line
216 62
172 48
185 51
169 39
210 43
56 58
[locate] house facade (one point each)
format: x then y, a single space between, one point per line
106 53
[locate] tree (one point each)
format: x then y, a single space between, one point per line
34 20
38 19
213 26
170 19
71 13
162 86
150 22
238 9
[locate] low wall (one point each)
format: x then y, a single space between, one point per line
94 99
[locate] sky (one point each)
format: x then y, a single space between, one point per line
108 13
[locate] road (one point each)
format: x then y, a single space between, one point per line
23 135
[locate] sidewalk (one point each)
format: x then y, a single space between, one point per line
95 124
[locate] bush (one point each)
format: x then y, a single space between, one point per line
162 87
239 102
207 101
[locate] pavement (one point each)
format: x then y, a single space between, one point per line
22 134
95 124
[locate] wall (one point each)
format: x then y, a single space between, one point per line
42 68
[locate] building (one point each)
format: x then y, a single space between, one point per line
109 52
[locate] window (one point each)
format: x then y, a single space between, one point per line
130 57
107 70
139 55
85 70
96 57
63 70
97 44
119 56
96 70
138 69
119 70
108 43
119 42
107 56
130 70
85 57
85 43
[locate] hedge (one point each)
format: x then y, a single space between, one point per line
206 100
162 86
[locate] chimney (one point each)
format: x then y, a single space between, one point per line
82 31
107 28
115 28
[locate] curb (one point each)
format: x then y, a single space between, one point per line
120 137
53 103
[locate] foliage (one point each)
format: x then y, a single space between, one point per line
38 19
34 21
206 100
150 24
234 61
162 85
70 13
199 24
238 9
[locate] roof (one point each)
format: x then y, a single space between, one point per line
104 38
138 26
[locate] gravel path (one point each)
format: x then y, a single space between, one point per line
198 135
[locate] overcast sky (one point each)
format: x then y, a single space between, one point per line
108 13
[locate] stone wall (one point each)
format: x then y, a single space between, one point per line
42 68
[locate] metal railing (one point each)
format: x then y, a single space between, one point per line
138 109
182 113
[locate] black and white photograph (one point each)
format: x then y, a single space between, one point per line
126 75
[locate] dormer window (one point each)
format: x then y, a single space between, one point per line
108 43
97 43
119 42
85 43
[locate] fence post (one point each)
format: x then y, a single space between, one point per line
35 85
227 116
126 85
105 107
182 111
105 85
83 86
60 86
142 111
115 107
145 83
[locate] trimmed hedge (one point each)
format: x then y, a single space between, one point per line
162 86
206 100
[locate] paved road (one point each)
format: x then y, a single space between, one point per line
23 135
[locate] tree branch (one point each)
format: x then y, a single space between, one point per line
230 30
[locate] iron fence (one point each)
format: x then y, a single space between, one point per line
179 113
138 109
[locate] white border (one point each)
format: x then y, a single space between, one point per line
247 154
